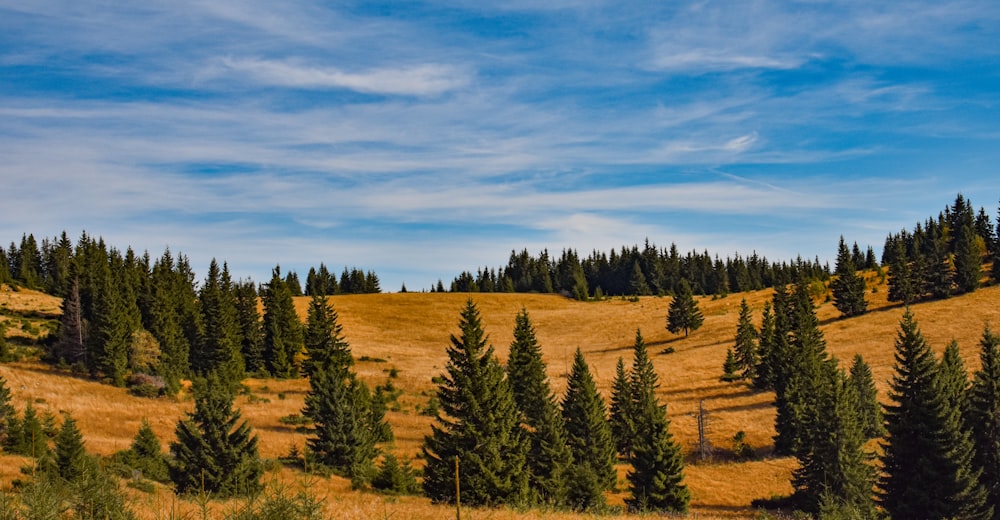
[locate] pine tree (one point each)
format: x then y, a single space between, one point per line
622 429
549 457
282 329
848 286
589 438
869 409
252 336
218 349
983 418
764 371
26 435
324 341
683 313
70 456
968 258
7 412
832 462
745 350
71 346
110 332
167 293
903 282
215 452
480 426
341 437
926 463
730 367
657 477
147 454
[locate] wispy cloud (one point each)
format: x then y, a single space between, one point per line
417 80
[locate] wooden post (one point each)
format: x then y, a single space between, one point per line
458 493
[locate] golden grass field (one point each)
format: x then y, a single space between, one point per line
410 331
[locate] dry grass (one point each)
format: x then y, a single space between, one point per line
410 333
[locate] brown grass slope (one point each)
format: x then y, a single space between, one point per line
410 332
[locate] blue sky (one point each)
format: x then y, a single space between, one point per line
422 139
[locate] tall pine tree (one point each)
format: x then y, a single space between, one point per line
622 413
282 328
549 459
589 438
869 409
745 349
983 418
657 477
480 426
926 462
324 340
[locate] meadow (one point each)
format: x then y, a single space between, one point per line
403 337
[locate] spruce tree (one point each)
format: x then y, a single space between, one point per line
968 258
656 481
70 456
549 458
282 329
848 286
869 408
218 349
983 418
167 293
683 313
926 462
589 438
26 435
479 427
832 462
215 452
7 412
745 350
730 367
110 331
70 348
252 336
622 413
324 340
903 282
147 454
341 437
763 378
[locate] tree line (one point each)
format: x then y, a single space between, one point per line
638 272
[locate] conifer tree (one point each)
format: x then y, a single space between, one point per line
549 458
745 350
218 349
252 336
848 286
282 329
26 435
70 456
730 367
167 293
147 454
903 283
110 332
683 313
341 437
926 463
983 418
589 438
968 258
869 409
71 346
7 412
832 461
657 477
215 452
480 426
763 378
622 413
324 341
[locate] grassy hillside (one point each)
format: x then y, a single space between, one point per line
409 332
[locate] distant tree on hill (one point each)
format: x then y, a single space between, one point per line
590 439
282 328
480 426
848 286
324 340
249 323
683 314
219 348
745 350
763 377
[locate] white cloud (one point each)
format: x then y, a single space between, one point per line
417 80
